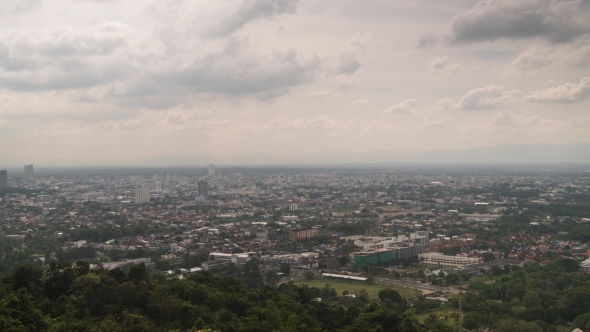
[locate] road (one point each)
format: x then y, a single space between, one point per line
415 285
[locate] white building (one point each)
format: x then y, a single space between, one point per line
586 265
440 260
379 242
142 195
238 259
211 170
92 196
29 176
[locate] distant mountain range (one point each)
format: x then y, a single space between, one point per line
503 154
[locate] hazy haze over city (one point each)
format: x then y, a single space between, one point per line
133 82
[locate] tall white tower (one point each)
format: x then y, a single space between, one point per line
211 170
142 195
29 176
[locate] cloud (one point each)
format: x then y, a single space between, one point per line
556 21
250 74
534 57
321 94
443 67
320 124
539 56
341 84
72 58
8 7
405 107
580 56
580 122
358 102
443 106
509 119
66 58
349 59
492 97
428 40
566 93
252 10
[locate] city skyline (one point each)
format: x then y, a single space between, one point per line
133 80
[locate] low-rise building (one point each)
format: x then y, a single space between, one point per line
441 260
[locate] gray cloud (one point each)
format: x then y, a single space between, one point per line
428 40
442 66
251 10
68 58
556 21
349 60
566 93
251 74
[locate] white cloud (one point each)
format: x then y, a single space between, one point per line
509 119
443 106
580 122
566 93
534 57
405 107
491 97
539 56
322 123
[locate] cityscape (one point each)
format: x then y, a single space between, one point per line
347 231
295 166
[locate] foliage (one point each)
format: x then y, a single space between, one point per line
73 297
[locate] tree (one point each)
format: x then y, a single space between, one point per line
252 277
390 294
272 278
343 260
138 273
532 300
569 265
308 275
363 295
286 269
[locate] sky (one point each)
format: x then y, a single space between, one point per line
84 81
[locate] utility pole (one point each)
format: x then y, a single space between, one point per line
460 316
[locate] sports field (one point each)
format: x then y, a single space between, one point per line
354 287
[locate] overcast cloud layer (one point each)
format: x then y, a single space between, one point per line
84 80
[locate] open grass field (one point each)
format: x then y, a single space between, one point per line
354 287
448 316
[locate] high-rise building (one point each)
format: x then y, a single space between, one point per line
29 176
3 179
211 170
142 195
160 186
203 188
